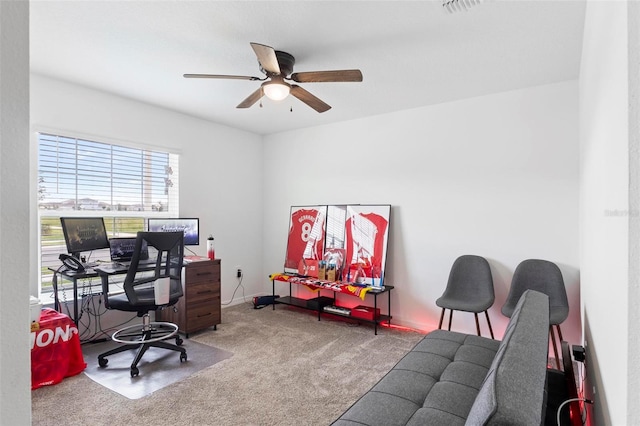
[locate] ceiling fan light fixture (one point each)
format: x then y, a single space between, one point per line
276 90
278 67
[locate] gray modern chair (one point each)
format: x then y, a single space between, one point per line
545 277
469 289
167 248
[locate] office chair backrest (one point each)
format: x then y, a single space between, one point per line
167 248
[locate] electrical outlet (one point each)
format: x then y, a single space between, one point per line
238 272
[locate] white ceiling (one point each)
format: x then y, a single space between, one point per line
411 53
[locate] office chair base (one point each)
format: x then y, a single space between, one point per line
133 334
142 338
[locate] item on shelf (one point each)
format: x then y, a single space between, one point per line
334 259
308 268
365 312
358 272
322 270
337 310
376 289
319 302
360 276
331 273
379 283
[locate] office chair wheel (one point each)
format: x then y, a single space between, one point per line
179 341
102 362
134 371
183 357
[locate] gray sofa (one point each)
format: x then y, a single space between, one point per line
451 378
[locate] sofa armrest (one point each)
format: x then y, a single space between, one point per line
513 390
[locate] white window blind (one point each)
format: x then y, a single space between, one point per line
122 184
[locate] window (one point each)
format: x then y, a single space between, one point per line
122 184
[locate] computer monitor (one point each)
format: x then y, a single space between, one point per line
84 234
190 227
122 249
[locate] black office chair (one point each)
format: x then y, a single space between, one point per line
140 295
545 277
469 289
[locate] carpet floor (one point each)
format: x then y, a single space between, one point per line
287 368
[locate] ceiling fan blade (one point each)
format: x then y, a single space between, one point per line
267 58
309 99
251 99
230 77
327 76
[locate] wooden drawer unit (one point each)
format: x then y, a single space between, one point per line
199 307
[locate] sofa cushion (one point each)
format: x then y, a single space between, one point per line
434 384
513 391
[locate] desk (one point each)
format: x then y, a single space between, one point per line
73 276
198 308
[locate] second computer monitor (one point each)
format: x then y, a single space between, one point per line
190 227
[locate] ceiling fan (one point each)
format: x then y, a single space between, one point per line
278 67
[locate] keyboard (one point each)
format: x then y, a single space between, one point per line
111 267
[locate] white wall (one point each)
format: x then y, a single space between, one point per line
15 373
633 354
220 167
607 244
495 176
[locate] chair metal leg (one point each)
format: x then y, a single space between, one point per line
441 318
475 314
555 347
489 322
141 350
476 317
559 333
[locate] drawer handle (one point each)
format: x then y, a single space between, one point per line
204 273
204 292
205 315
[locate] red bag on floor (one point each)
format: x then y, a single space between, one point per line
55 349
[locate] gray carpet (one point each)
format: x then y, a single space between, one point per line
287 368
158 367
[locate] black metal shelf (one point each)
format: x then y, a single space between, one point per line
318 303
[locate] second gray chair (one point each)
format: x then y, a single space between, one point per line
469 289
545 277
